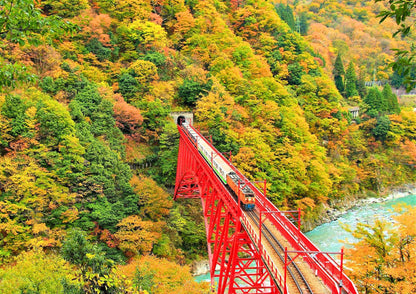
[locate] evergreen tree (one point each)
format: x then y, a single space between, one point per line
339 83
374 100
295 73
338 73
391 103
360 84
286 14
303 24
290 20
382 128
384 104
280 9
350 81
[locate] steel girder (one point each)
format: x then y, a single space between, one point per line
235 264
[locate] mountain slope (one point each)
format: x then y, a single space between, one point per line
86 132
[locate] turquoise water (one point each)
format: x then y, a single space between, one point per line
203 278
330 236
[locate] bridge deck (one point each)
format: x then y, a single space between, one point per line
300 279
305 270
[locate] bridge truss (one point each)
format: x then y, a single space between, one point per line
240 259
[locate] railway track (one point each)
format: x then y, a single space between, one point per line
312 273
296 281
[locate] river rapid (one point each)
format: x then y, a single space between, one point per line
331 236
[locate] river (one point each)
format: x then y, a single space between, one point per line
330 236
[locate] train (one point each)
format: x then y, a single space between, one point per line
239 189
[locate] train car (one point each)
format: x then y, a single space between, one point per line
222 169
192 134
242 191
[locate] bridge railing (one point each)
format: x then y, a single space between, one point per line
266 256
231 203
322 264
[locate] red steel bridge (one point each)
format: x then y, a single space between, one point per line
257 251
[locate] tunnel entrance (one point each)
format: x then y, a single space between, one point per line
180 119
182 116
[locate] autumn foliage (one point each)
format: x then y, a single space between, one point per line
87 144
383 261
128 118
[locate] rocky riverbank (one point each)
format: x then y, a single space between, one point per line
330 213
339 207
200 267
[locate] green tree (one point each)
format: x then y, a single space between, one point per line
402 11
303 24
78 250
360 85
397 80
286 14
89 100
186 221
128 86
295 73
36 272
65 8
154 116
13 74
168 154
111 176
392 104
374 100
14 108
350 81
19 20
382 128
191 90
96 47
155 57
92 261
339 73
54 120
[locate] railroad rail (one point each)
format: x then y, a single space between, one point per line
239 242
297 282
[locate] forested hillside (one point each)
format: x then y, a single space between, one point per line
88 149
353 30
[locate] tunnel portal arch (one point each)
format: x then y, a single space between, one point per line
180 117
